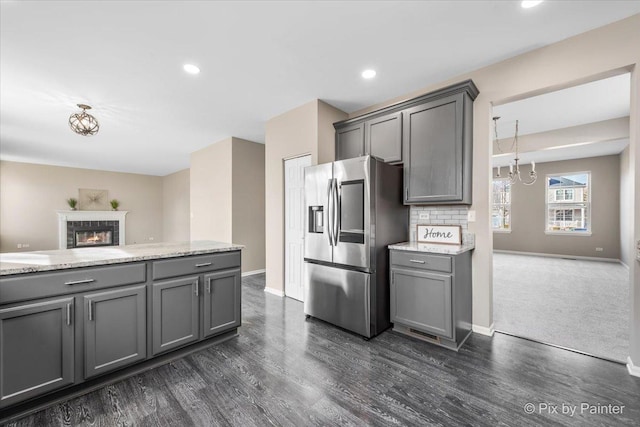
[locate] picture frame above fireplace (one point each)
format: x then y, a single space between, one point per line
93 200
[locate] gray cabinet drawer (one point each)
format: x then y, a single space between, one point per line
29 286
194 264
421 260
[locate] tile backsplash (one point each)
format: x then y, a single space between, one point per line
441 215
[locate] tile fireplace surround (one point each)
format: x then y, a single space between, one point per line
68 216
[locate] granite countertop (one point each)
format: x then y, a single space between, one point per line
433 247
31 262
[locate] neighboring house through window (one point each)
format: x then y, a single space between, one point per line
569 203
501 213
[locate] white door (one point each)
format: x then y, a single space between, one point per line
294 225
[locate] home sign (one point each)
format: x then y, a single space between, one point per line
447 234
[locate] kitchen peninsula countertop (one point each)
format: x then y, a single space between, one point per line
36 261
433 248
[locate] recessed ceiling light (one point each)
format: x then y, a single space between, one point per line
191 69
369 74
526 4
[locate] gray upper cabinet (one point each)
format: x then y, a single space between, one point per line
36 349
434 149
114 329
221 302
350 142
383 137
175 313
431 136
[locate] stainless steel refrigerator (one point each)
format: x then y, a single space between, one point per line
353 211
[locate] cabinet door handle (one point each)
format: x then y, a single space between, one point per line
69 314
90 310
203 264
417 261
79 282
208 286
198 288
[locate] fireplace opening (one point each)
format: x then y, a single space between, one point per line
85 234
93 237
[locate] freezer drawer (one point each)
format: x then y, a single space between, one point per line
340 297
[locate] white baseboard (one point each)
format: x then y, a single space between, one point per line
483 330
633 370
272 291
251 273
586 258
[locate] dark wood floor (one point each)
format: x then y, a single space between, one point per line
283 370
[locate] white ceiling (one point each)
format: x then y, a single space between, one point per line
258 59
578 105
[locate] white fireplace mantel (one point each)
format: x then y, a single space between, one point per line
64 216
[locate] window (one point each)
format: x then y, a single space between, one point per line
501 213
569 203
564 195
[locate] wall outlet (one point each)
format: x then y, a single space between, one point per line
25 245
424 216
599 249
471 216
151 238
19 245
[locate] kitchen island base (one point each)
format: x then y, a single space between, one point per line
85 319
23 409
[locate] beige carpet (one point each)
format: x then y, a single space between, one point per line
583 305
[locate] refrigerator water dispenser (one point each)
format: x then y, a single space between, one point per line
316 214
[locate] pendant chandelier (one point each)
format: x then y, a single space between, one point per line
84 123
514 168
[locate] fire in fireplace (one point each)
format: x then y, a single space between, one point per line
93 238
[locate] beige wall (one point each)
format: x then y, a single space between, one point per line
228 197
634 161
307 129
626 206
176 206
248 226
528 218
30 194
327 116
211 192
599 53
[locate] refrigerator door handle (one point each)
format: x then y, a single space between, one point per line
336 215
329 213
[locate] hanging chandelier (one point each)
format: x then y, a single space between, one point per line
514 168
84 123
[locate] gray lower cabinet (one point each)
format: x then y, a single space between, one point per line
115 325
36 349
63 328
176 311
422 300
350 142
221 302
431 296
